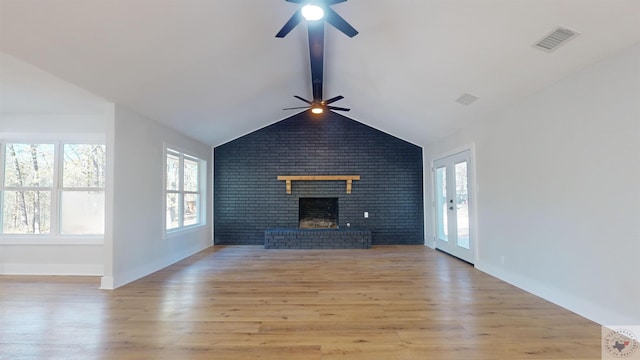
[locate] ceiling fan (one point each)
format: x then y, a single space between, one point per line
318 107
317 12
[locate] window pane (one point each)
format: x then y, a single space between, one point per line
173 172
173 211
28 165
84 165
190 175
26 212
191 205
82 212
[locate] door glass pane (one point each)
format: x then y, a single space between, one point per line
462 204
82 212
191 205
26 212
441 202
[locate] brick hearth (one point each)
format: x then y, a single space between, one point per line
317 239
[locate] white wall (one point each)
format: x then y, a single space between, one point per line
36 106
559 198
138 245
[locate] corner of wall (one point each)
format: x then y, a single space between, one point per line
148 268
580 306
106 283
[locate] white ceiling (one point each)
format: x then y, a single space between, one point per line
214 69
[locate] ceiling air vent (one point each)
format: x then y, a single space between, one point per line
556 38
466 99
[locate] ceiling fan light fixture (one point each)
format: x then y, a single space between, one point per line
317 110
312 12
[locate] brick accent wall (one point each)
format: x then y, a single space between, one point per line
248 198
316 239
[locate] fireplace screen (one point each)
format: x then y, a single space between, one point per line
318 213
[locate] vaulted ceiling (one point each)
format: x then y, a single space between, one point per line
215 70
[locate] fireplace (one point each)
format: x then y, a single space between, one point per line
318 229
318 213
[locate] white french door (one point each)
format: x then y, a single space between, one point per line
453 185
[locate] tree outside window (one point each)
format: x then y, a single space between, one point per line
28 184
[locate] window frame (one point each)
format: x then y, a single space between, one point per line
54 236
180 192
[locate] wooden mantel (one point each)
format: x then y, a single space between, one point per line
348 178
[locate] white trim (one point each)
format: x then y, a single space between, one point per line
580 306
55 217
30 239
467 147
66 138
211 172
106 283
429 240
434 211
139 272
473 221
51 269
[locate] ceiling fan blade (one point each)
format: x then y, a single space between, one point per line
339 23
305 100
333 99
293 22
300 1
295 108
332 2
337 108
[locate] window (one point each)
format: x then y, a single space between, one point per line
183 190
52 189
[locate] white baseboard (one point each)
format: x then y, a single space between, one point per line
131 275
594 312
51 269
106 283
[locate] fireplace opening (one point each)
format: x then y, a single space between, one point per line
318 213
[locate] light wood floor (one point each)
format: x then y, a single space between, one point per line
244 302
